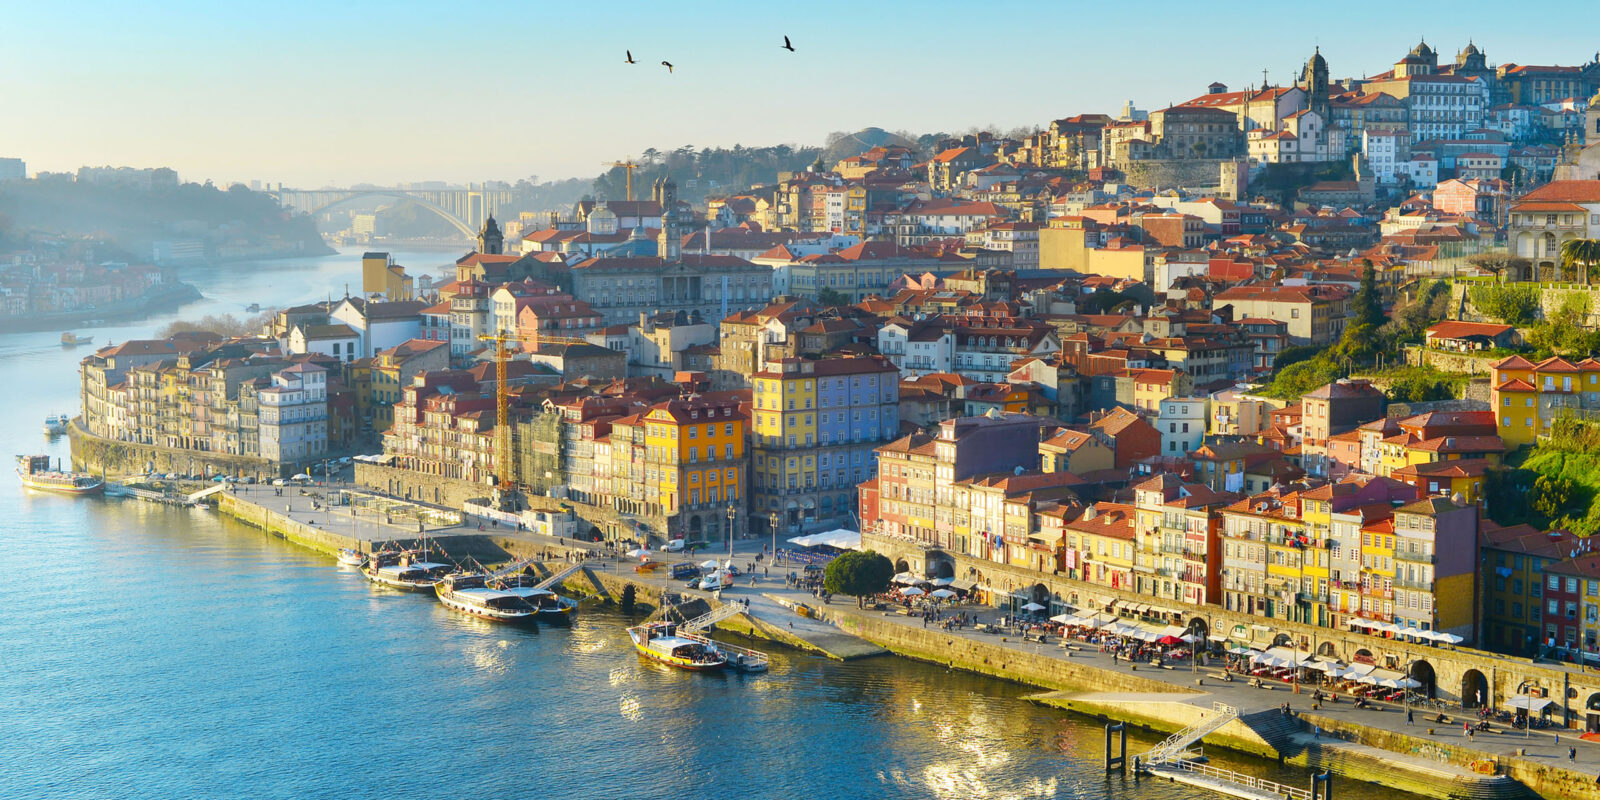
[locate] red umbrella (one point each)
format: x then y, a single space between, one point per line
1169 640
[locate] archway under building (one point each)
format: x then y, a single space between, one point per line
941 566
1364 656
1200 629
1328 649
1475 689
1283 640
1422 672
1040 594
900 566
1591 713
696 529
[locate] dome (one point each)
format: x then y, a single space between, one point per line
1471 50
602 221
1422 49
1317 61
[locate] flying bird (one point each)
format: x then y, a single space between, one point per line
668 65
786 44
630 57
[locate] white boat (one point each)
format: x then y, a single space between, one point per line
549 606
398 571
56 425
662 642
351 558
467 593
35 473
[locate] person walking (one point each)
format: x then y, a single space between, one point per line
1409 716
1572 754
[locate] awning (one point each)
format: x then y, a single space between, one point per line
1218 637
1534 704
1162 610
962 586
840 538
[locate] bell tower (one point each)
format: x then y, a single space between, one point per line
490 240
1314 80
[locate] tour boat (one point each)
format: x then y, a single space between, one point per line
56 424
398 571
35 473
549 606
70 339
351 558
662 642
469 594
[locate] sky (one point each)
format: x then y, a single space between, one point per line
317 93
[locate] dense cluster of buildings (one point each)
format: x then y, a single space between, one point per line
1038 358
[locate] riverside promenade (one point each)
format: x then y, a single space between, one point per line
1374 744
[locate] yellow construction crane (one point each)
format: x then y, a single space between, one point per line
629 166
502 411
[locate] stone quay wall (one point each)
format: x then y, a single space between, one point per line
98 455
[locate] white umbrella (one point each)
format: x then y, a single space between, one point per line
1447 637
942 594
1027 607
907 579
1241 650
1064 619
713 564
943 581
639 552
912 591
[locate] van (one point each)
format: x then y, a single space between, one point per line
682 570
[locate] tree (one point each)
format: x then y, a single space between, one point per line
1500 263
833 297
858 573
1552 496
1368 301
1582 254
1514 304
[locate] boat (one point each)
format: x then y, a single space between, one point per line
351 558
70 339
56 424
35 473
469 593
661 641
549 606
253 308
401 571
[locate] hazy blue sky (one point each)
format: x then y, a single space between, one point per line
311 92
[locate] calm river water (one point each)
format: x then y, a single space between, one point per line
147 652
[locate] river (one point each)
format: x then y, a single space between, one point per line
148 652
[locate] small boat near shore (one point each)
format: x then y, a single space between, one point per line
351 558
547 605
400 571
35 473
56 424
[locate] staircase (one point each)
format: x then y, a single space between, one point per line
712 617
1276 729
557 578
509 569
1174 746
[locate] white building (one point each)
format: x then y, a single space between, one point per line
336 341
1182 422
380 325
1384 151
12 169
294 415
1445 106
1422 170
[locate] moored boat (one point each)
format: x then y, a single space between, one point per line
35 473
661 641
56 424
399 571
468 593
549 606
70 339
351 558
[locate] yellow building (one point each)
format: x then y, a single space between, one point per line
379 273
784 397
1377 569
694 454
1528 397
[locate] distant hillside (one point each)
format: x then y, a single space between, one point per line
233 221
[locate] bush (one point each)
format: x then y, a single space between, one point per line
1294 355
1512 304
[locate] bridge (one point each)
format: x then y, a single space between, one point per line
466 209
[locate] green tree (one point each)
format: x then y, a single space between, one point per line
1552 496
858 573
1295 355
1368 305
1582 254
1514 304
833 297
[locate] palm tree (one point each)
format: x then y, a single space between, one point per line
1582 253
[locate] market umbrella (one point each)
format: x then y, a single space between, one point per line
912 591
1065 619
639 552
1027 607
713 564
943 581
1240 650
1447 637
942 594
1169 640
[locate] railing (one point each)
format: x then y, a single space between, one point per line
1173 747
1240 779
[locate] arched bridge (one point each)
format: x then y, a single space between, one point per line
466 209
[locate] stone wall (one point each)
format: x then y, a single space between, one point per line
1443 361
115 459
1169 173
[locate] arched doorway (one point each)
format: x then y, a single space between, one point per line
1283 640
1422 672
900 565
1040 594
1475 689
1200 629
1364 656
696 529
940 566
1327 649
1592 713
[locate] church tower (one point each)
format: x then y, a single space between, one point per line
670 241
490 240
1314 80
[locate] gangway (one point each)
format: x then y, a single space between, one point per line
560 576
1173 747
712 617
509 569
196 497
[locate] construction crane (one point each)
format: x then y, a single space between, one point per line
507 466
629 167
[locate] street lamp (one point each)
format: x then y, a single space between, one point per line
1526 691
733 514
